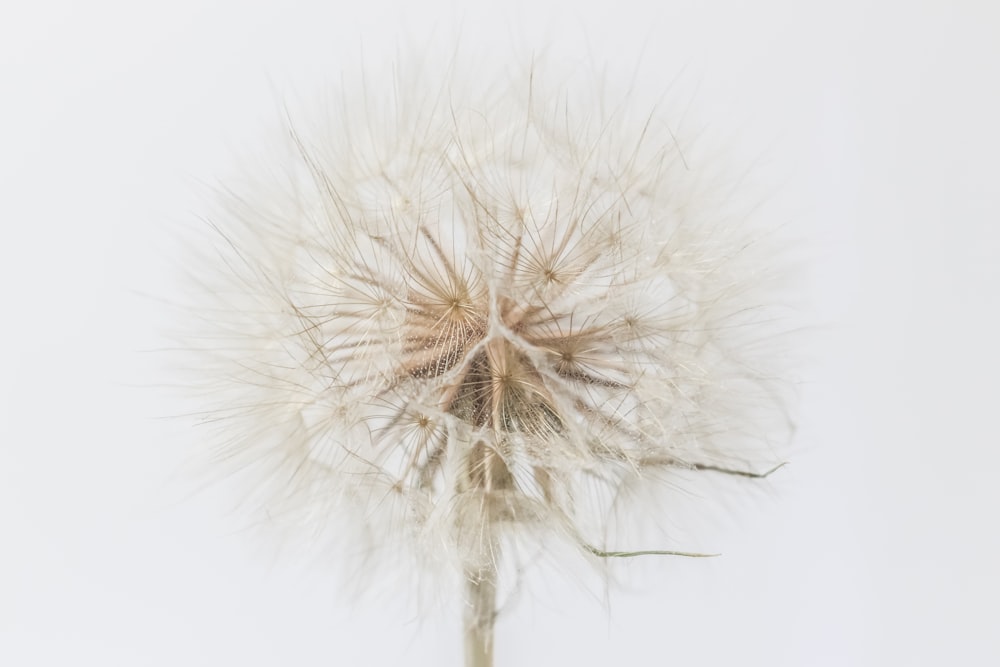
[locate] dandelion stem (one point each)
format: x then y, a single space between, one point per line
481 588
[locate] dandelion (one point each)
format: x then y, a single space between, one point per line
471 313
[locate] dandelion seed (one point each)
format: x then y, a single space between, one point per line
466 313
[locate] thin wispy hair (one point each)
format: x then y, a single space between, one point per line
457 310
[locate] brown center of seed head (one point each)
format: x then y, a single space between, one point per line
494 386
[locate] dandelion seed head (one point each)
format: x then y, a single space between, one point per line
460 311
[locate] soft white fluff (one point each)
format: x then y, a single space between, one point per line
460 309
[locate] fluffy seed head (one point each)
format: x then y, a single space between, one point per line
462 311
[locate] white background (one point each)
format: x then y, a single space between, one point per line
878 545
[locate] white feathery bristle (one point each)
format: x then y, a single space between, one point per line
462 309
